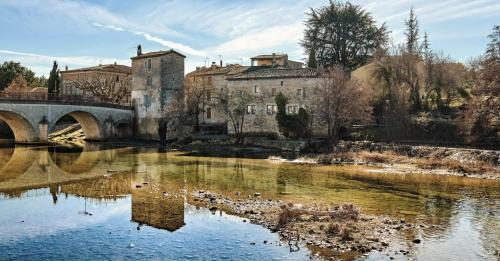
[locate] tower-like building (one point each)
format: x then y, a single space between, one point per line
157 83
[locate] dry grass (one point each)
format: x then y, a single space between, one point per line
455 165
345 212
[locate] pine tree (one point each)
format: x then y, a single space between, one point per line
412 33
311 62
426 47
53 81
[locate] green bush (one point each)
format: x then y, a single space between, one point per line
291 126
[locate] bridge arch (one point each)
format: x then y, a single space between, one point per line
23 129
124 129
91 125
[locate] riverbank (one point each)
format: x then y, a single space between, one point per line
333 232
397 158
387 158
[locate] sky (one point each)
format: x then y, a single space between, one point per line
80 33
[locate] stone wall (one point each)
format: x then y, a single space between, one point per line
299 91
155 89
66 89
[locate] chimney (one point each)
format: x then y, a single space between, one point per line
66 68
213 64
221 63
139 50
274 59
115 63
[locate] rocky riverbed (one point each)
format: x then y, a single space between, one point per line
335 231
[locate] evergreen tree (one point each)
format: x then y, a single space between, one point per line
412 33
426 47
493 48
311 62
53 81
343 34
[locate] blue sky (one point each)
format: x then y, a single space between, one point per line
81 33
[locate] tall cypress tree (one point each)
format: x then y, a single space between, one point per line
412 33
53 81
311 62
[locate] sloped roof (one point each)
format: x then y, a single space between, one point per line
114 68
264 72
158 53
268 56
217 70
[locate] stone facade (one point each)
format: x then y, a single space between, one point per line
157 83
275 60
211 83
259 84
262 86
115 71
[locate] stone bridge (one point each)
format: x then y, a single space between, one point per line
32 121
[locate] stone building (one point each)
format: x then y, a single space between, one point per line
209 84
259 83
262 85
275 60
116 72
157 86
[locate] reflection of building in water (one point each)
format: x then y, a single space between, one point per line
154 209
105 188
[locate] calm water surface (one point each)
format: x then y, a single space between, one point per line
67 203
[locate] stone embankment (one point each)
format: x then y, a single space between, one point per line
398 158
464 155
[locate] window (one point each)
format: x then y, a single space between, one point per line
292 109
299 92
149 64
256 89
281 83
273 91
304 93
117 78
271 109
149 81
251 109
209 113
209 96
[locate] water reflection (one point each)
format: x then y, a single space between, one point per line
448 210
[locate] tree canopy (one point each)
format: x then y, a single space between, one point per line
343 34
11 70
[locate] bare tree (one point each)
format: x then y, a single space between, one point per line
171 119
234 105
341 102
197 91
106 87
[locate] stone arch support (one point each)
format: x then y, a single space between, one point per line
24 130
91 125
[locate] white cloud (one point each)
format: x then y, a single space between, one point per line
42 64
266 39
170 44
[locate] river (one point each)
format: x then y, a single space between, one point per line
93 202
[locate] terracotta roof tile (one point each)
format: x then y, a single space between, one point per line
262 72
115 68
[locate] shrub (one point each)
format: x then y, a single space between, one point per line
345 212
